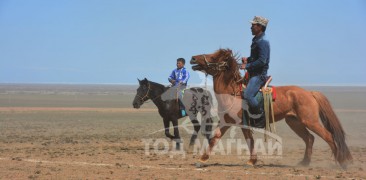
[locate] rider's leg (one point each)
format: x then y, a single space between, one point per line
180 96
251 91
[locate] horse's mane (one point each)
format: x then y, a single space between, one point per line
155 84
160 86
232 73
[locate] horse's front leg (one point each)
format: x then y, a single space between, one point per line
250 142
219 132
177 138
166 126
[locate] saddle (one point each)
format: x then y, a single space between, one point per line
269 89
176 94
265 88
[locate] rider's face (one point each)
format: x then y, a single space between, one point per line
180 64
256 29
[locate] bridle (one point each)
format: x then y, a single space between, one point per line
146 97
219 66
142 99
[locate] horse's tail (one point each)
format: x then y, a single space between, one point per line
333 125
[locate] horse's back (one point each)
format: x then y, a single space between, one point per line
197 89
291 89
290 98
199 95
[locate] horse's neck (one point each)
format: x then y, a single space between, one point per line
157 91
226 84
157 101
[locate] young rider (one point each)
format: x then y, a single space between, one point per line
179 78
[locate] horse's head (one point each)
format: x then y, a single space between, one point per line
142 94
212 64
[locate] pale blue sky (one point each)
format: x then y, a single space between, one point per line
117 41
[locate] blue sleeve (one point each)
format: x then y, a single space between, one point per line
185 76
172 76
263 56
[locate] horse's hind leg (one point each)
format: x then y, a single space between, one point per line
303 133
207 124
311 121
205 110
196 126
250 142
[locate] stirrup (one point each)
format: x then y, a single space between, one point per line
267 82
265 87
183 112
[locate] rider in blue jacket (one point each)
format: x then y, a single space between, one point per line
179 78
180 75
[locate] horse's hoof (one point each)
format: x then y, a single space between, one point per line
190 149
199 165
204 158
177 147
343 166
304 163
251 162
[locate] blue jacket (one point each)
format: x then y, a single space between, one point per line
179 75
258 62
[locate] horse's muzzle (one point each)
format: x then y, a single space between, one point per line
196 66
136 105
193 61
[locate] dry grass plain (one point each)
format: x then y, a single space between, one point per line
92 132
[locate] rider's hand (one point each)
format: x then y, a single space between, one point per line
172 81
245 61
243 66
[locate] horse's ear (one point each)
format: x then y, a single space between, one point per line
139 80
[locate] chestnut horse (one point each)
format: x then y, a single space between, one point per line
300 108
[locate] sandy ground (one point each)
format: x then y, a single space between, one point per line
97 143
91 132
75 109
